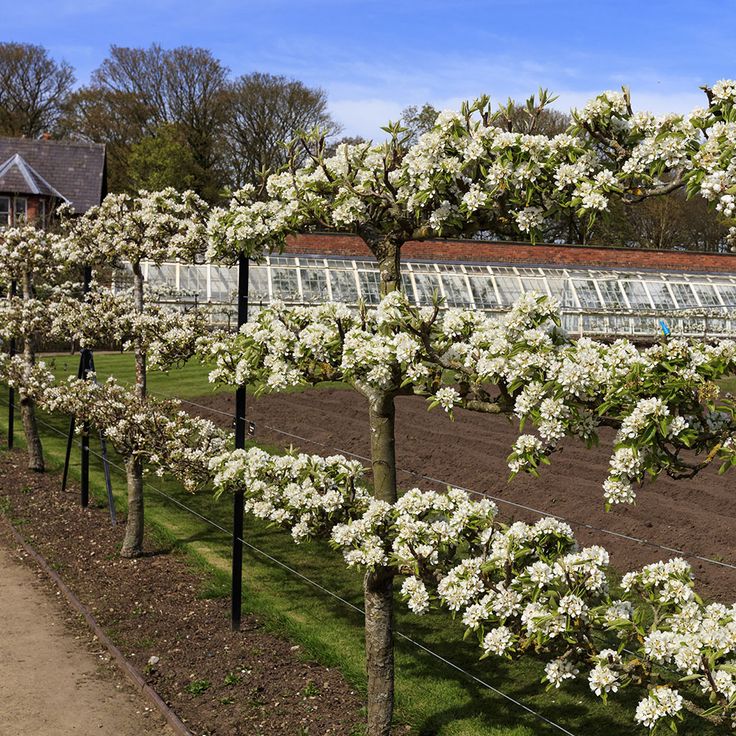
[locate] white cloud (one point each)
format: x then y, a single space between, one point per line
365 117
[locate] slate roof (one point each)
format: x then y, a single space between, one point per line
17 176
74 171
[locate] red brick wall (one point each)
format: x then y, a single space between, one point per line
520 253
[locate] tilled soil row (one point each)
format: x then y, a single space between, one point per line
697 516
219 682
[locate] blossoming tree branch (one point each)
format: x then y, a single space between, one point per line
468 175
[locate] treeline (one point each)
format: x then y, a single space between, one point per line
169 117
178 117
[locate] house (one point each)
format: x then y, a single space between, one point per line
36 176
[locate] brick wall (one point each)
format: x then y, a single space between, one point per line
520 253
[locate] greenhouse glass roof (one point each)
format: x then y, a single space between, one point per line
595 301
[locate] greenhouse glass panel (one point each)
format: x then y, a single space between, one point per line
509 289
370 286
661 296
644 325
684 295
572 323
537 285
587 294
285 284
707 295
224 284
483 292
163 275
716 326
257 283
456 291
693 326
728 294
561 289
193 280
343 286
619 325
314 285
611 294
595 323
426 286
636 294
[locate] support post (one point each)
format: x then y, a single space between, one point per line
70 438
85 360
105 461
86 365
238 500
11 391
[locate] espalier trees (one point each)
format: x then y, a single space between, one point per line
519 588
31 260
464 176
154 227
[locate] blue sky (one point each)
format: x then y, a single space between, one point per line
374 57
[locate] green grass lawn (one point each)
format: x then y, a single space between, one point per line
431 696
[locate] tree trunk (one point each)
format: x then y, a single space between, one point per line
140 354
133 542
33 440
378 585
387 250
28 405
389 266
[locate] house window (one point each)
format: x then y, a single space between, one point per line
4 211
20 210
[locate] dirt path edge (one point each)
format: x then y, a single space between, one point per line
125 667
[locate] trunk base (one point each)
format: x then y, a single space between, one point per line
379 650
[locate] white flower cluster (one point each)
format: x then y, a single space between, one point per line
28 252
154 431
155 226
467 173
168 336
308 494
30 380
520 587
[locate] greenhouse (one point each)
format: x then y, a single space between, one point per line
595 301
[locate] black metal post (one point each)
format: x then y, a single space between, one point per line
240 429
85 366
86 357
70 437
11 391
105 461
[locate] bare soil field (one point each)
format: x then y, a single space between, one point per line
696 516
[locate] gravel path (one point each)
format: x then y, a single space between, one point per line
50 681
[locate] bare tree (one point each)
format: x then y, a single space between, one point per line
670 221
117 119
264 111
533 116
137 93
33 88
418 120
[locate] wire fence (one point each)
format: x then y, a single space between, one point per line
399 634
497 499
